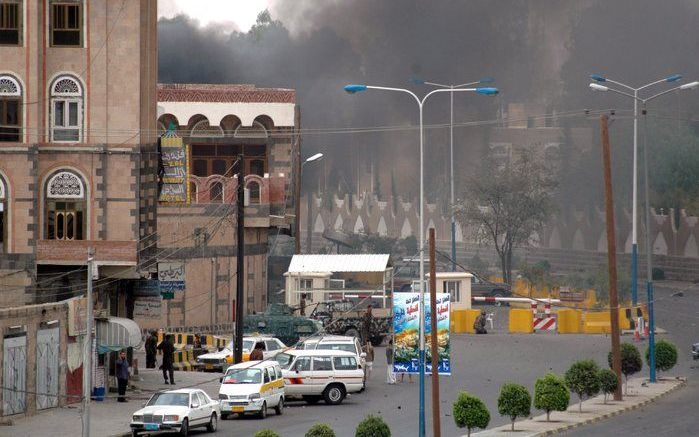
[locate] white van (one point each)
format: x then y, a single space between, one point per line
314 374
252 387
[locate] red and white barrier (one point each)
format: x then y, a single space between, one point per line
545 324
513 299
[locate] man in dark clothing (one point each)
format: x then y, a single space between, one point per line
366 325
151 349
257 354
122 375
479 323
168 351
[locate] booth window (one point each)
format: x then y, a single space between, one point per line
454 290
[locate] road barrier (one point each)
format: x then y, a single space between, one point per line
462 321
521 321
569 321
544 324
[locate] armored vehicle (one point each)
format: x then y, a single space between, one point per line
279 321
342 317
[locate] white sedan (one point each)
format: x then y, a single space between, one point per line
177 411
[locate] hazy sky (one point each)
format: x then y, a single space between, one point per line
240 14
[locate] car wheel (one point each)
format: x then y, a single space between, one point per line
263 411
352 333
334 394
213 423
279 409
184 429
311 400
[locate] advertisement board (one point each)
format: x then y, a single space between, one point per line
170 278
406 325
174 176
147 307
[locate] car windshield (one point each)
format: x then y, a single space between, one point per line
310 345
284 360
178 399
243 376
247 345
349 347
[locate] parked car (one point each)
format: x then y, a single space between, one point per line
176 411
484 287
336 343
320 374
252 387
219 361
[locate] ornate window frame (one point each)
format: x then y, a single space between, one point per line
10 86
203 129
66 90
11 89
65 194
71 183
5 230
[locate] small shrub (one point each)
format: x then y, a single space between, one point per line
514 401
608 382
665 355
320 430
631 362
582 379
266 433
551 394
372 426
470 412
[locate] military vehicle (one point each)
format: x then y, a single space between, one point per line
342 317
279 321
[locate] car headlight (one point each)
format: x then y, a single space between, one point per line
171 418
254 396
137 418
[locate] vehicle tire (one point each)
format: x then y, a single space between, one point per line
263 411
184 429
498 293
311 399
279 409
334 394
213 423
351 332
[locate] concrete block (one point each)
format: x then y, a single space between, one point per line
521 321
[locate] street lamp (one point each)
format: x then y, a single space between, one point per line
316 157
313 158
451 153
634 203
488 91
649 248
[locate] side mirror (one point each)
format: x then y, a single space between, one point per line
195 404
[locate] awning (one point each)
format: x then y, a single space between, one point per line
116 333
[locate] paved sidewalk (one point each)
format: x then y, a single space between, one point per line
109 418
593 410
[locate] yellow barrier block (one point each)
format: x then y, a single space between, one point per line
597 322
462 321
569 321
521 321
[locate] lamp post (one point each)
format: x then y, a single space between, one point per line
634 202
352 89
649 249
297 224
451 153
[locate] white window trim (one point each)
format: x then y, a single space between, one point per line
68 98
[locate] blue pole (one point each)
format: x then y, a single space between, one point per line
634 274
651 332
421 431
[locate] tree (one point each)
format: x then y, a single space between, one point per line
266 433
514 401
665 355
320 430
373 426
583 379
470 412
551 394
508 203
608 382
631 362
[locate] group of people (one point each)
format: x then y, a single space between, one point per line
390 374
167 349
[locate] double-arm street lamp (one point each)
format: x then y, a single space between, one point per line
352 89
649 249
451 152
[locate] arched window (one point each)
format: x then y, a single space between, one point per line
257 130
202 129
3 215
66 207
254 189
10 109
216 193
66 110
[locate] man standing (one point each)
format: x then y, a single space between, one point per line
390 377
168 351
366 326
122 375
369 360
151 349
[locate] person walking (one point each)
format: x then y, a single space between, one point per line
390 376
151 349
369 360
168 351
122 375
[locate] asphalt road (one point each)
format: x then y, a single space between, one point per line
676 414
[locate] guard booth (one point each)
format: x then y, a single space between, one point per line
457 284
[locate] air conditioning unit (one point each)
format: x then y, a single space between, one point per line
337 284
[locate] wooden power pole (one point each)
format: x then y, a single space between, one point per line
611 253
434 316
240 261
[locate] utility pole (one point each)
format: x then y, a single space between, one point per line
611 253
297 185
240 260
87 351
436 425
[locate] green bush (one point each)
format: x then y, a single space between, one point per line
583 379
266 433
470 412
514 401
608 382
631 362
372 426
665 355
551 394
320 430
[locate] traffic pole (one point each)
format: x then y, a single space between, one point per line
240 262
87 348
611 253
434 349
